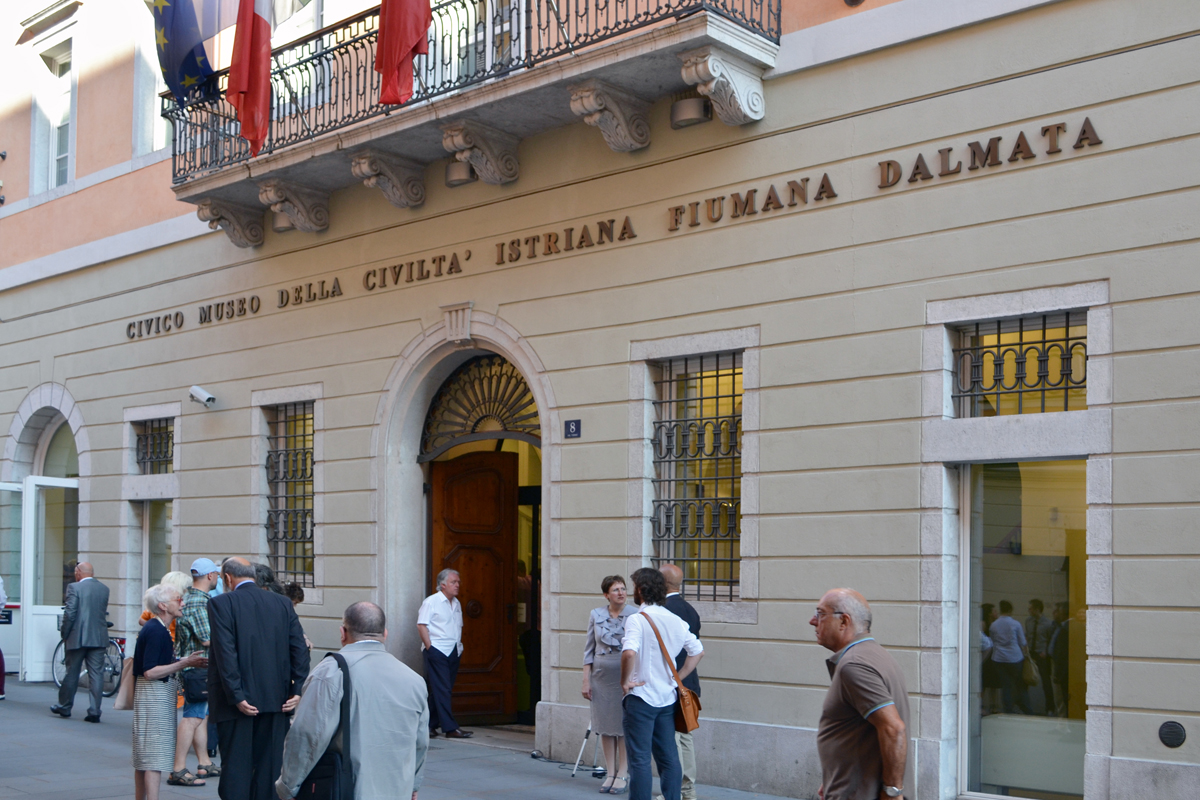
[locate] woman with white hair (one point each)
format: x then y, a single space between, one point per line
182 581
154 690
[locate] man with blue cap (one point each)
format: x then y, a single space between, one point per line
192 631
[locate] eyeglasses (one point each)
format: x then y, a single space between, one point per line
822 614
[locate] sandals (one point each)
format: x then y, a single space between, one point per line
210 770
623 789
184 778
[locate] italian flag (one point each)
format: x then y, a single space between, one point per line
249 89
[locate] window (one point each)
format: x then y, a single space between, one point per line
57 107
1026 538
290 491
697 438
156 446
1028 365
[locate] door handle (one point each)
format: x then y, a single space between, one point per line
511 608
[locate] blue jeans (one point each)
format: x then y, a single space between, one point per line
651 730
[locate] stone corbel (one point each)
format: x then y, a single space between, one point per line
620 116
308 209
733 84
401 181
242 224
492 153
458 323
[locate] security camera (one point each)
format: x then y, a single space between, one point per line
198 395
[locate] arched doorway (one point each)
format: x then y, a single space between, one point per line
481 444
40 521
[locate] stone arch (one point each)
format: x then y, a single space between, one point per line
37 413
398 479
40 408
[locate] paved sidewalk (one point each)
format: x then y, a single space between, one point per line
44 757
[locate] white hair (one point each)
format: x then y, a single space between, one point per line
444 574
158 594
858 611
182 581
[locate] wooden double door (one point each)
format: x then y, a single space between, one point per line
474 500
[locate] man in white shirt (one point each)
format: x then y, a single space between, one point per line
440 623
650 693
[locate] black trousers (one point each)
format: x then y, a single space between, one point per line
94 656
441 671
251 756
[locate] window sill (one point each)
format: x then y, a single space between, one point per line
1020 437
743 612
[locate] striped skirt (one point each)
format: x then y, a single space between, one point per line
154 725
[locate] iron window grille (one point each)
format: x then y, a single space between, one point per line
1028 365
290 491
697 445
156 446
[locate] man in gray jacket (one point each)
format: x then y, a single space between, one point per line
85 632
389 715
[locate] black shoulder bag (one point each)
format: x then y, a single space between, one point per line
332 777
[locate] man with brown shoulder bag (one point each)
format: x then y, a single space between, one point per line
654 692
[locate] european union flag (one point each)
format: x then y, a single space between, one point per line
180 29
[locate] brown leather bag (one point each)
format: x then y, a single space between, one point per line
687 710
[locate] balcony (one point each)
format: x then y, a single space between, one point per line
497 71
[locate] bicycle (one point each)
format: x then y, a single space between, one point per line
114 659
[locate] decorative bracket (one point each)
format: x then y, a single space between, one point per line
733 84
242 224
308 209
620 116
401 181
458 323
492 153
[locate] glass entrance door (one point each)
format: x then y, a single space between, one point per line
49 553
10 572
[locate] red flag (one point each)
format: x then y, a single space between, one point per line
403 25
249 89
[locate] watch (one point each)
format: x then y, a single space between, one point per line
893 791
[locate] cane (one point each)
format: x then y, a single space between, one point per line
582 746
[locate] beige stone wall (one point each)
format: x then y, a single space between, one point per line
838 291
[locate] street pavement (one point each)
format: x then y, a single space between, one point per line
45 757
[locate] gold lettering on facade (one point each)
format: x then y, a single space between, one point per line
1087 134
228 309
889 173
772 201
985 156
742 206
153 326
714 208
825 190
988 155
1021 150
920 171
389 276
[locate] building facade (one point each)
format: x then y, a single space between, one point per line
885 295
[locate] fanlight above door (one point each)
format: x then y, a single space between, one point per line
485 398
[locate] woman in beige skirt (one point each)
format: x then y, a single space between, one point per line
602 680
154 690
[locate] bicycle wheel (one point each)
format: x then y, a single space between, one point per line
112 669
59 664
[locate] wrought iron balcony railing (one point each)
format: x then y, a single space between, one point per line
327 81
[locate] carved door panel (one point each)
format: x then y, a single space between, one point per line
475 532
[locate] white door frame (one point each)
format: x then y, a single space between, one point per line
33 617
13 632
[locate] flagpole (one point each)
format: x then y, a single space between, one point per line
295 98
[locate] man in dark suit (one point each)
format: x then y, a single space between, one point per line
1060 655
681 608
257 665
85 634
